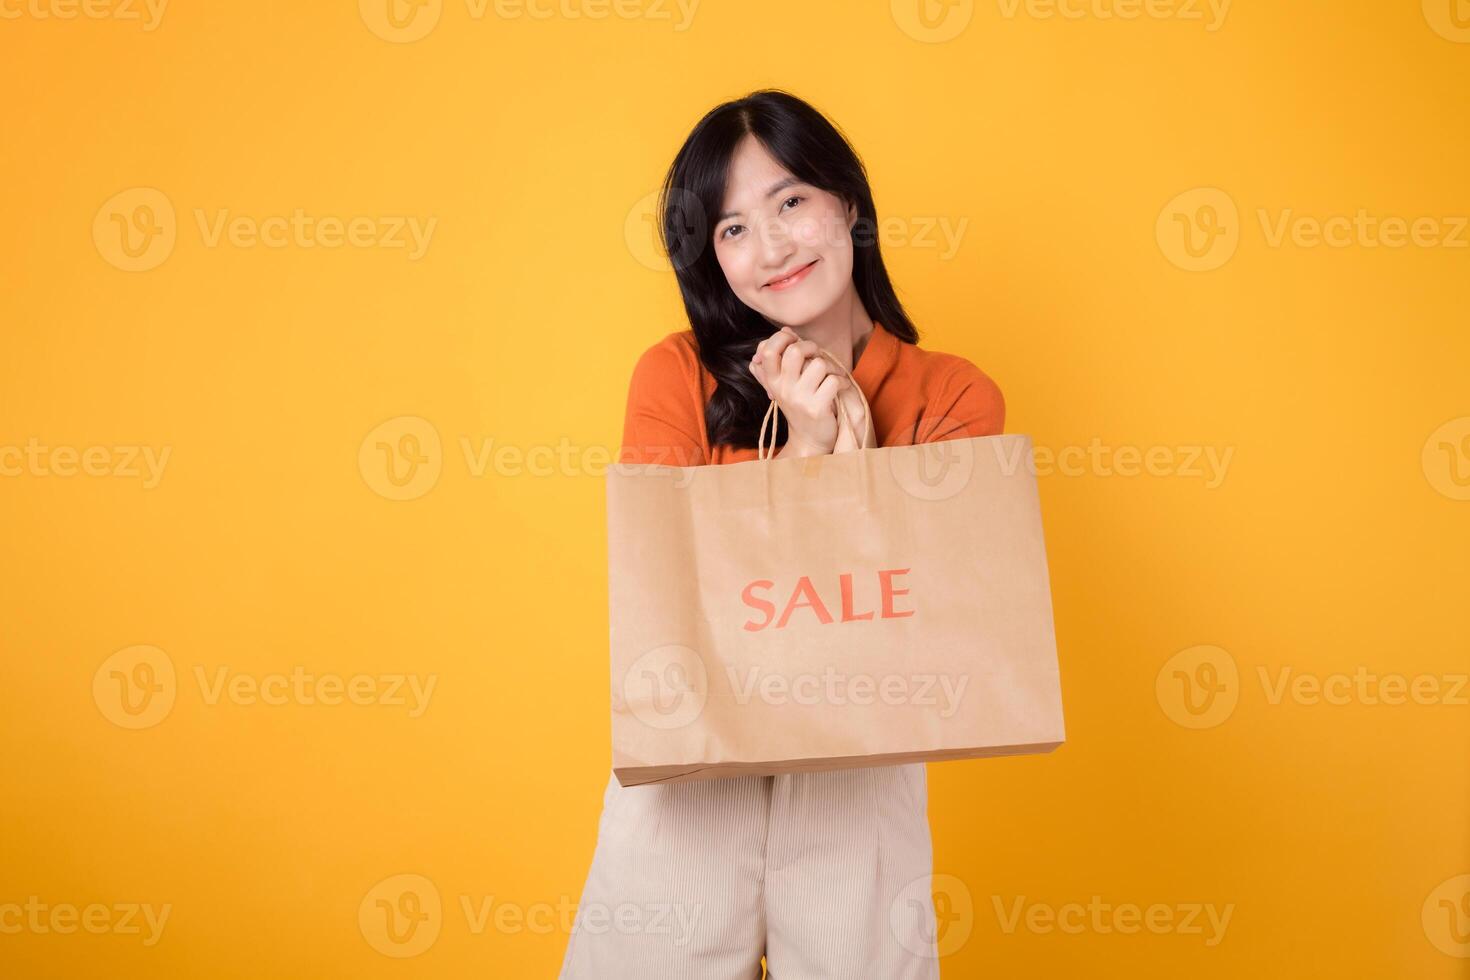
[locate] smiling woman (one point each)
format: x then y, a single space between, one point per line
766 213
790 234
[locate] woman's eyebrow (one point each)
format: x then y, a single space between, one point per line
774 189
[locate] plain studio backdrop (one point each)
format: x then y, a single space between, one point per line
316 325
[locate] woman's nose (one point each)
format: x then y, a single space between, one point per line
775 243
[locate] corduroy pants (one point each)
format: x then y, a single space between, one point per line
825 873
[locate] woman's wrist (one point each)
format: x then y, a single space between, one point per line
796 447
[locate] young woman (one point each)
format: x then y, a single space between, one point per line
767 216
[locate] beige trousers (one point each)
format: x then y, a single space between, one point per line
825 873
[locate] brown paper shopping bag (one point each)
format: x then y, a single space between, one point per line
864 608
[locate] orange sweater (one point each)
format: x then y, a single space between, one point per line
916 395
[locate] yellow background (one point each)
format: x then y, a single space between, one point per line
1335 541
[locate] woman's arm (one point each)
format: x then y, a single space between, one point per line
660 424
968 404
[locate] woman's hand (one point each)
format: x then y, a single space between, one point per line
804 385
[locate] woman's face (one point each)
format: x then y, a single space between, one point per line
772 225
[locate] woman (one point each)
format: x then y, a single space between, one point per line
768 218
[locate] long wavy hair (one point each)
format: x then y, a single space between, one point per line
725 329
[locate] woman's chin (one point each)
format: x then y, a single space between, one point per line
797 313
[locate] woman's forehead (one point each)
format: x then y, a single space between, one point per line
753 173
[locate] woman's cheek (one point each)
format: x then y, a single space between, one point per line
730 265
745 273
808 232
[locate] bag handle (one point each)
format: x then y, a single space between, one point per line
773 410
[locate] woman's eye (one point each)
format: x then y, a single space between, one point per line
725 232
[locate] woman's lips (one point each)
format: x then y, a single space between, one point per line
794 278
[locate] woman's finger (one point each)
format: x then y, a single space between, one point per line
770 350
794 358
812 373
829 389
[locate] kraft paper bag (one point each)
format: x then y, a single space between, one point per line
873 607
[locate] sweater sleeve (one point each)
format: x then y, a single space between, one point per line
969 404
661 423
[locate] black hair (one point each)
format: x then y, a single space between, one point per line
725 329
